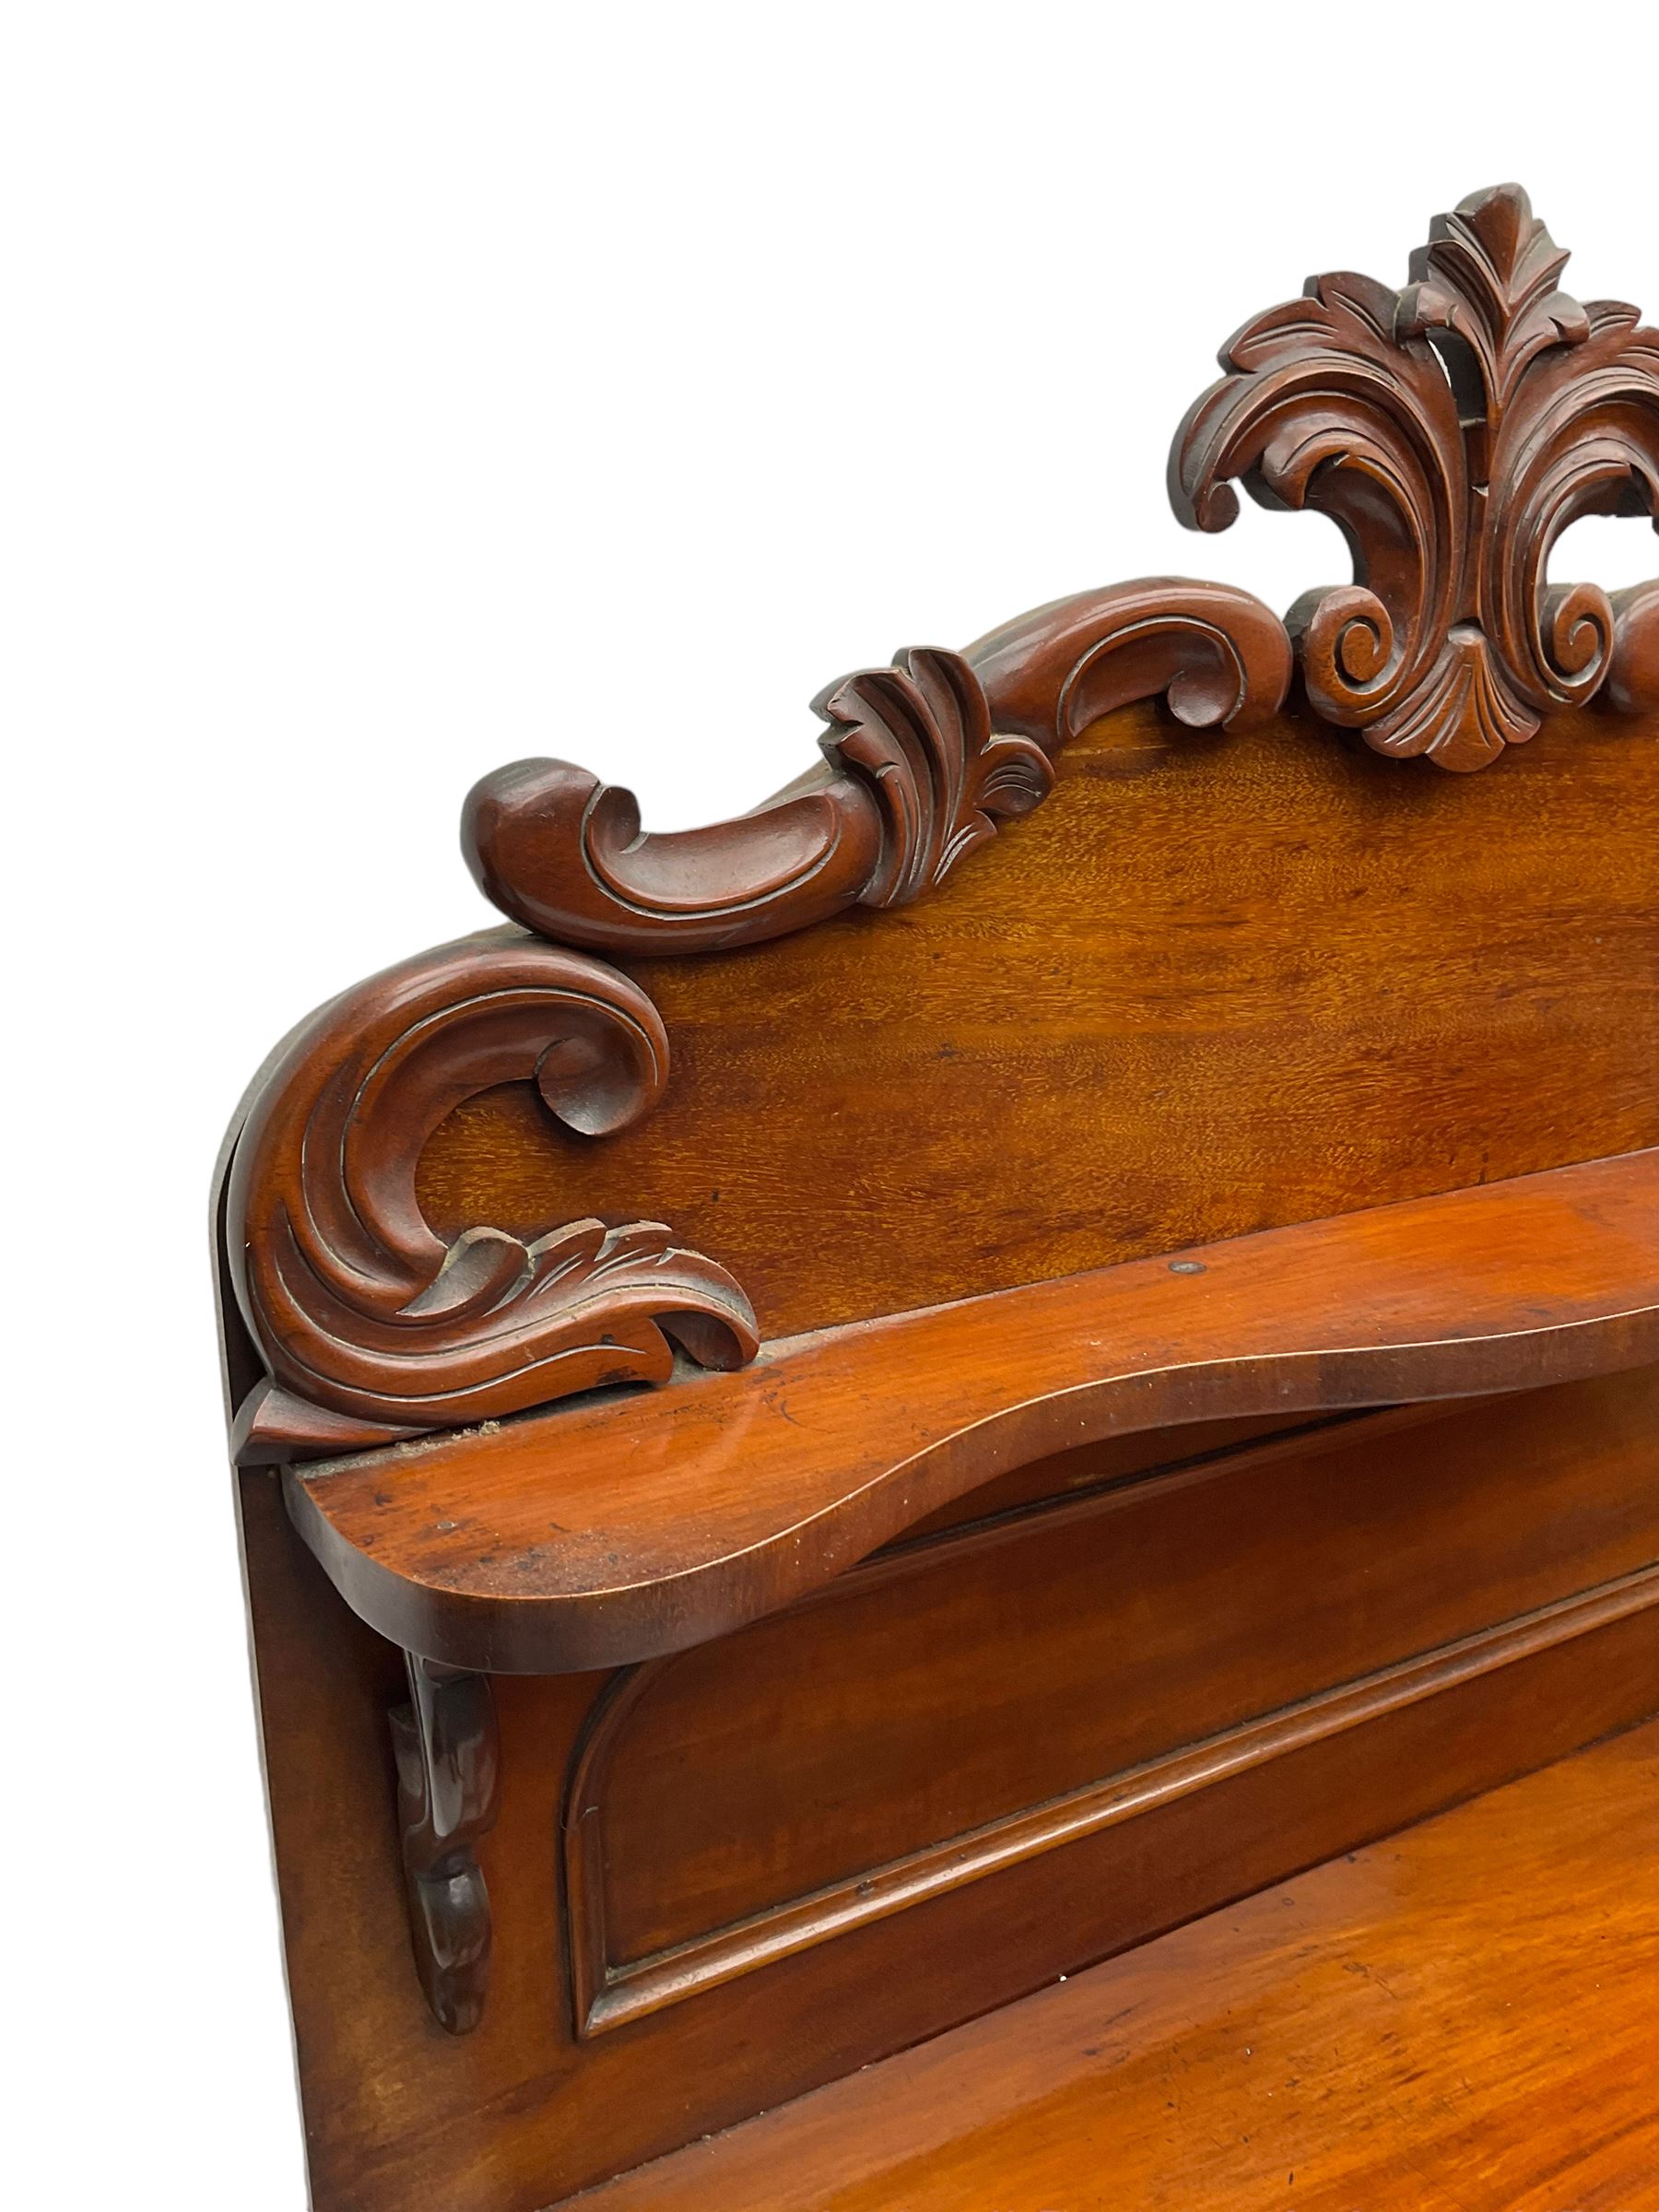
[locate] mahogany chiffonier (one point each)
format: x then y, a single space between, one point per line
951 1495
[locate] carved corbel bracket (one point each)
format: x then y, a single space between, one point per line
445 1745
1453 430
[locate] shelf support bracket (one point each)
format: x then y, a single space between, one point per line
448 1758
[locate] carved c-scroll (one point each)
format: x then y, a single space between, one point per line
371 1325
1220 659
447 1754
1453 431
923 758
564 854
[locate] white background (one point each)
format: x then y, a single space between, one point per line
394 391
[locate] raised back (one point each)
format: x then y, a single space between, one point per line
1241 968
1219 984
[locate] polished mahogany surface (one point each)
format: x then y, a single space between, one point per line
865 1408
1218 982
607 1532
987 1757
1460 2016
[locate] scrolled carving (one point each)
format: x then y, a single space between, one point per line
1220 659
922 760
370 1324
564 854
374 1328
1453 430
912 778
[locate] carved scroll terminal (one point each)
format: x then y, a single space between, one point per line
371 1325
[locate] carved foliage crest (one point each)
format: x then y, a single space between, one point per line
1453 430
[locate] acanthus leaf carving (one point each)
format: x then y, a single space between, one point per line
1488 277
920 732
1453 431
373 1326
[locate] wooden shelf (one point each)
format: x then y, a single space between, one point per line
1460 2016
635 1523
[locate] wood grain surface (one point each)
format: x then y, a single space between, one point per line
631 1525
1460 2019
1076 1665
523 2111
791 1737
1120 1053
1214 985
